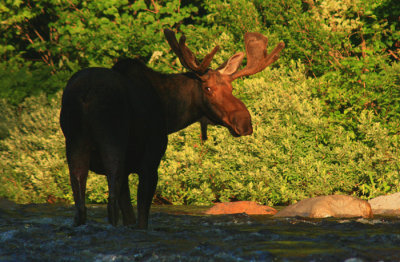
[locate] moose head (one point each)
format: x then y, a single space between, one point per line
219 105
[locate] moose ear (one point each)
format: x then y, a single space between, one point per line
232 65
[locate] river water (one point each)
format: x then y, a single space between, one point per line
182 233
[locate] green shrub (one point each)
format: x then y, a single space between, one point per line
75 34
337 132
19 81
294 153
6 118
353 46
32 162
32 158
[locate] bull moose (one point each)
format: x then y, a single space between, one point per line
116 121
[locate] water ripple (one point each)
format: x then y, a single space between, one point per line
45 233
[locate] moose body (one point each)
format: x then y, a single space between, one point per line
116 121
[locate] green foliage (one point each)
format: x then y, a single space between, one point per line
351 45
30 79
330 126
346 93
294 153
75 34
323 33
6 118
235 17
32 164
32 158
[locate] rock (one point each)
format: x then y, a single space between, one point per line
328 206
248 207
386 205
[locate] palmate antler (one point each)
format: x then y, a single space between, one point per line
257 57
256 50
187 58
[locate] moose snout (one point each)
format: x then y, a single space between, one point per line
241 123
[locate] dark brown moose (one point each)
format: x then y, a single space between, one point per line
116 121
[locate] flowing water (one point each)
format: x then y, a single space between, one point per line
176 233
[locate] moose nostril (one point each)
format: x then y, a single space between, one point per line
246 129
249 130
242 123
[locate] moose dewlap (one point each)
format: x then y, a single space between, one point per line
116 120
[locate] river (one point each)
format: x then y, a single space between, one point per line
44 232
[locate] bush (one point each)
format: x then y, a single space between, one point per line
7 117
352 46
21 80
32 161
328 123
294 153
75 34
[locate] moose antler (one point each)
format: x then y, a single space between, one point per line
257 56
186 56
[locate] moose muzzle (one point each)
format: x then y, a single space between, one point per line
240 123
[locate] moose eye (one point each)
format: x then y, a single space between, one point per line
208 89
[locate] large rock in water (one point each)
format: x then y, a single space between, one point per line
386 205
328 206
248 207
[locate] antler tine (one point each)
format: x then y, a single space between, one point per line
257 57
173 43
207 60
186 56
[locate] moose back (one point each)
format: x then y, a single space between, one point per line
116 121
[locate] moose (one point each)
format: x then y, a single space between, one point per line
116 121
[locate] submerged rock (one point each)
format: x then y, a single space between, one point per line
248 207
328 206
386 205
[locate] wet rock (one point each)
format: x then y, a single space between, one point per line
328 206
248 207
386 205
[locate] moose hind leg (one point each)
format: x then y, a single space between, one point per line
128 215
113 160
78 157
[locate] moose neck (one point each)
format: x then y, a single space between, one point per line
181 97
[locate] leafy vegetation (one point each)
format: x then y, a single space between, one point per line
326 116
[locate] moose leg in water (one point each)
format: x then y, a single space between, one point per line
128 215
148 177
109 125
78 163
78 155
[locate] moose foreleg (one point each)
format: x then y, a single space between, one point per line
146 188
